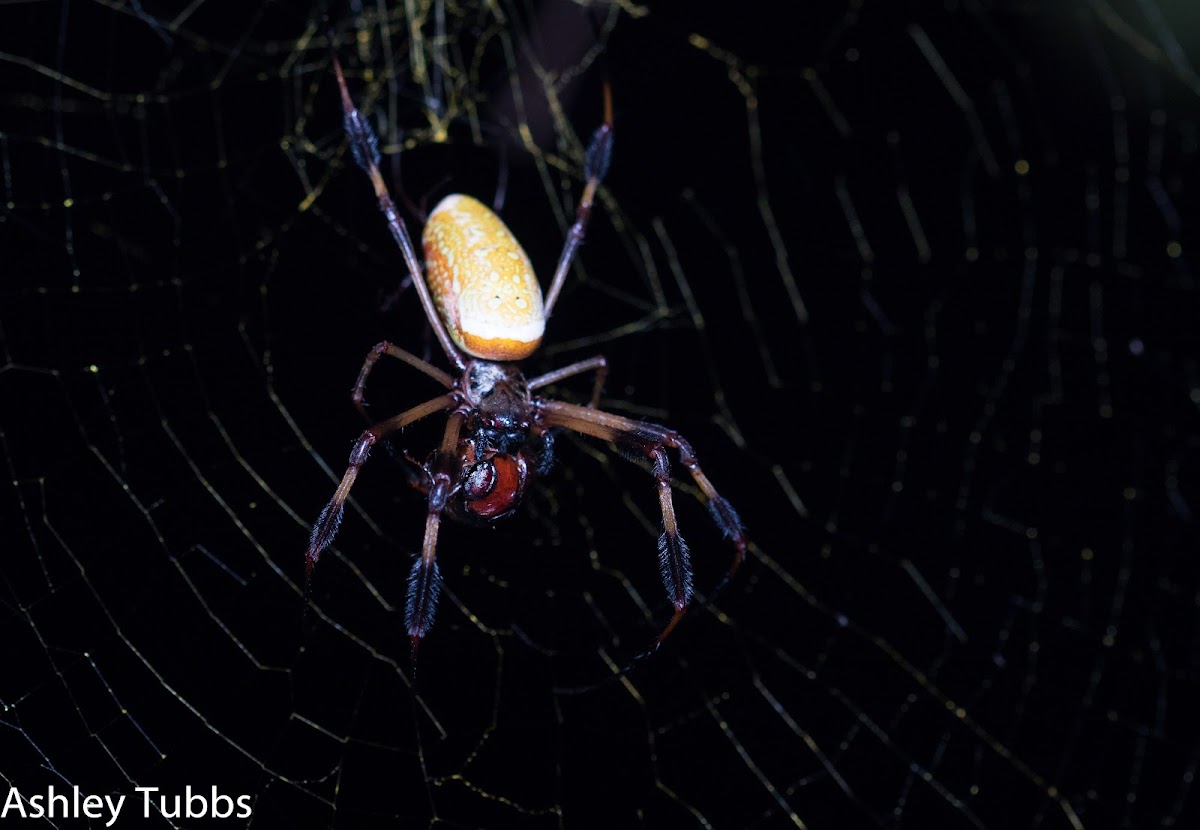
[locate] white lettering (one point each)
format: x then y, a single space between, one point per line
52 800
54 804
13 802
146 792
57 803
92 803
114 807
222 805
200 811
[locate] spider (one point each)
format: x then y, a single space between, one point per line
485 306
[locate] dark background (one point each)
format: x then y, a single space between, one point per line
915 280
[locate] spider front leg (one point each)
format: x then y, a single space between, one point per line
330 519
364 146
595 166
674 559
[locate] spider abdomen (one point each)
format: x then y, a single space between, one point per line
482 281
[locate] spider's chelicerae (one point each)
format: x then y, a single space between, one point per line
485 307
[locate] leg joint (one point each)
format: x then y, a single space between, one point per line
687 456
439 492
362 447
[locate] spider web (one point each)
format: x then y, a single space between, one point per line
914 279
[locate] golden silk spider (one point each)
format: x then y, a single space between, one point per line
485 307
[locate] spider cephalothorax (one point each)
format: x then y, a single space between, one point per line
485 306
498 448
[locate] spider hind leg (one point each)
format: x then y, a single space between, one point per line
652 440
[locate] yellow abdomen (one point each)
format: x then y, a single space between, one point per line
482 281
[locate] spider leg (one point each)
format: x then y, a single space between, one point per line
674 559
414 472
424 581
364 146
597 363
599 154
331 517
381 348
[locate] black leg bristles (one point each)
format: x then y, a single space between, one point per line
599 153
322 534
545 461
424 585
726 517
364 144
675 564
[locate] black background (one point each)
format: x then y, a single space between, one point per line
968 467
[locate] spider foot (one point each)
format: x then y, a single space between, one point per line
322 534
364 144
675 566
730 523
424 586
666 632
599 153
